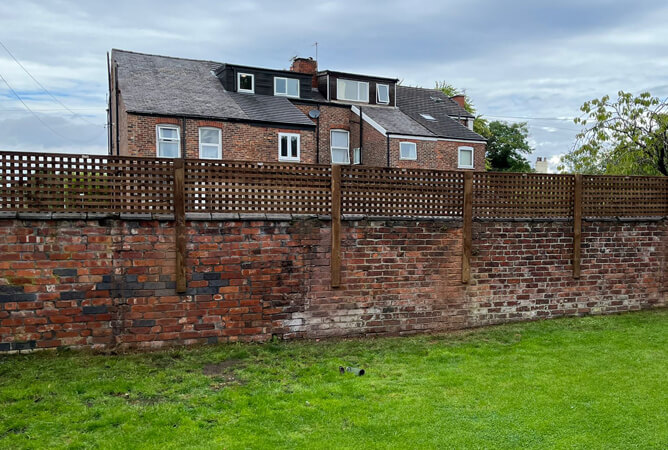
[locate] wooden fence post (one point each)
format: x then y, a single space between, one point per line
335 261
180 224
467 232
577 225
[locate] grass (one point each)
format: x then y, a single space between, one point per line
595 382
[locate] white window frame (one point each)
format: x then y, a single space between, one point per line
331 147
219 152
359 83
252 89
159 139
378 94
357 156
299 147
407 158
459 157
286 87
426 116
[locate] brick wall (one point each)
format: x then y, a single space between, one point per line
109 282
247 142
240 141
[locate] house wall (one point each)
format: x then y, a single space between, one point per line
331 118
240 141
249 142
110 283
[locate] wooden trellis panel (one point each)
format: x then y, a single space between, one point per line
41 182
382 191
619 196
515 195
247 187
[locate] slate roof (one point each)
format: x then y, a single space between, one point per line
175 86
415 101
269 108
154 84
394 121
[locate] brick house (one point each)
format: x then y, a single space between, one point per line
174 107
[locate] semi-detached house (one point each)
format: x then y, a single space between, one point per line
174 107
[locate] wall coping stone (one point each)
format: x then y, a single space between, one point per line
135 216
198 216
201 216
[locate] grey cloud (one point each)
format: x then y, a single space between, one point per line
515 58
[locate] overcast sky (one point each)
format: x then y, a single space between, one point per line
518 60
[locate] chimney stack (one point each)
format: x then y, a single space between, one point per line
541 165
306 65
460 99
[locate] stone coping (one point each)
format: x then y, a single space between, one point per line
197 216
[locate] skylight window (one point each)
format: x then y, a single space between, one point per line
435 99
428 117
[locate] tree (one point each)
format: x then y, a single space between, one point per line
480 125
625 137
505 146
505 142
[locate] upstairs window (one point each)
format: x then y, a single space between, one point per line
288 87
168 142
465 157
428 117
246 82
288 146
339 141
383 93
407 150
354 91
209 143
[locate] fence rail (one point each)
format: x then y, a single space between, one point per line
39 182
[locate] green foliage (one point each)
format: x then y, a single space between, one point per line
626 137
451 91
594 382
506 144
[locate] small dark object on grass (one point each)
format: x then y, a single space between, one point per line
355 370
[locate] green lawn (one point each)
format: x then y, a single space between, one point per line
595 382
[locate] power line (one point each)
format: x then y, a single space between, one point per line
40 119
43 88
529 118
50 109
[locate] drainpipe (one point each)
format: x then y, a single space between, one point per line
183 138
109 132
317 137
361 130
388 150
116 91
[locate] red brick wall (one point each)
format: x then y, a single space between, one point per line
240 141
110 283
331 118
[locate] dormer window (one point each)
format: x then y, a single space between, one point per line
246 82
383 94
353 91
288 87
